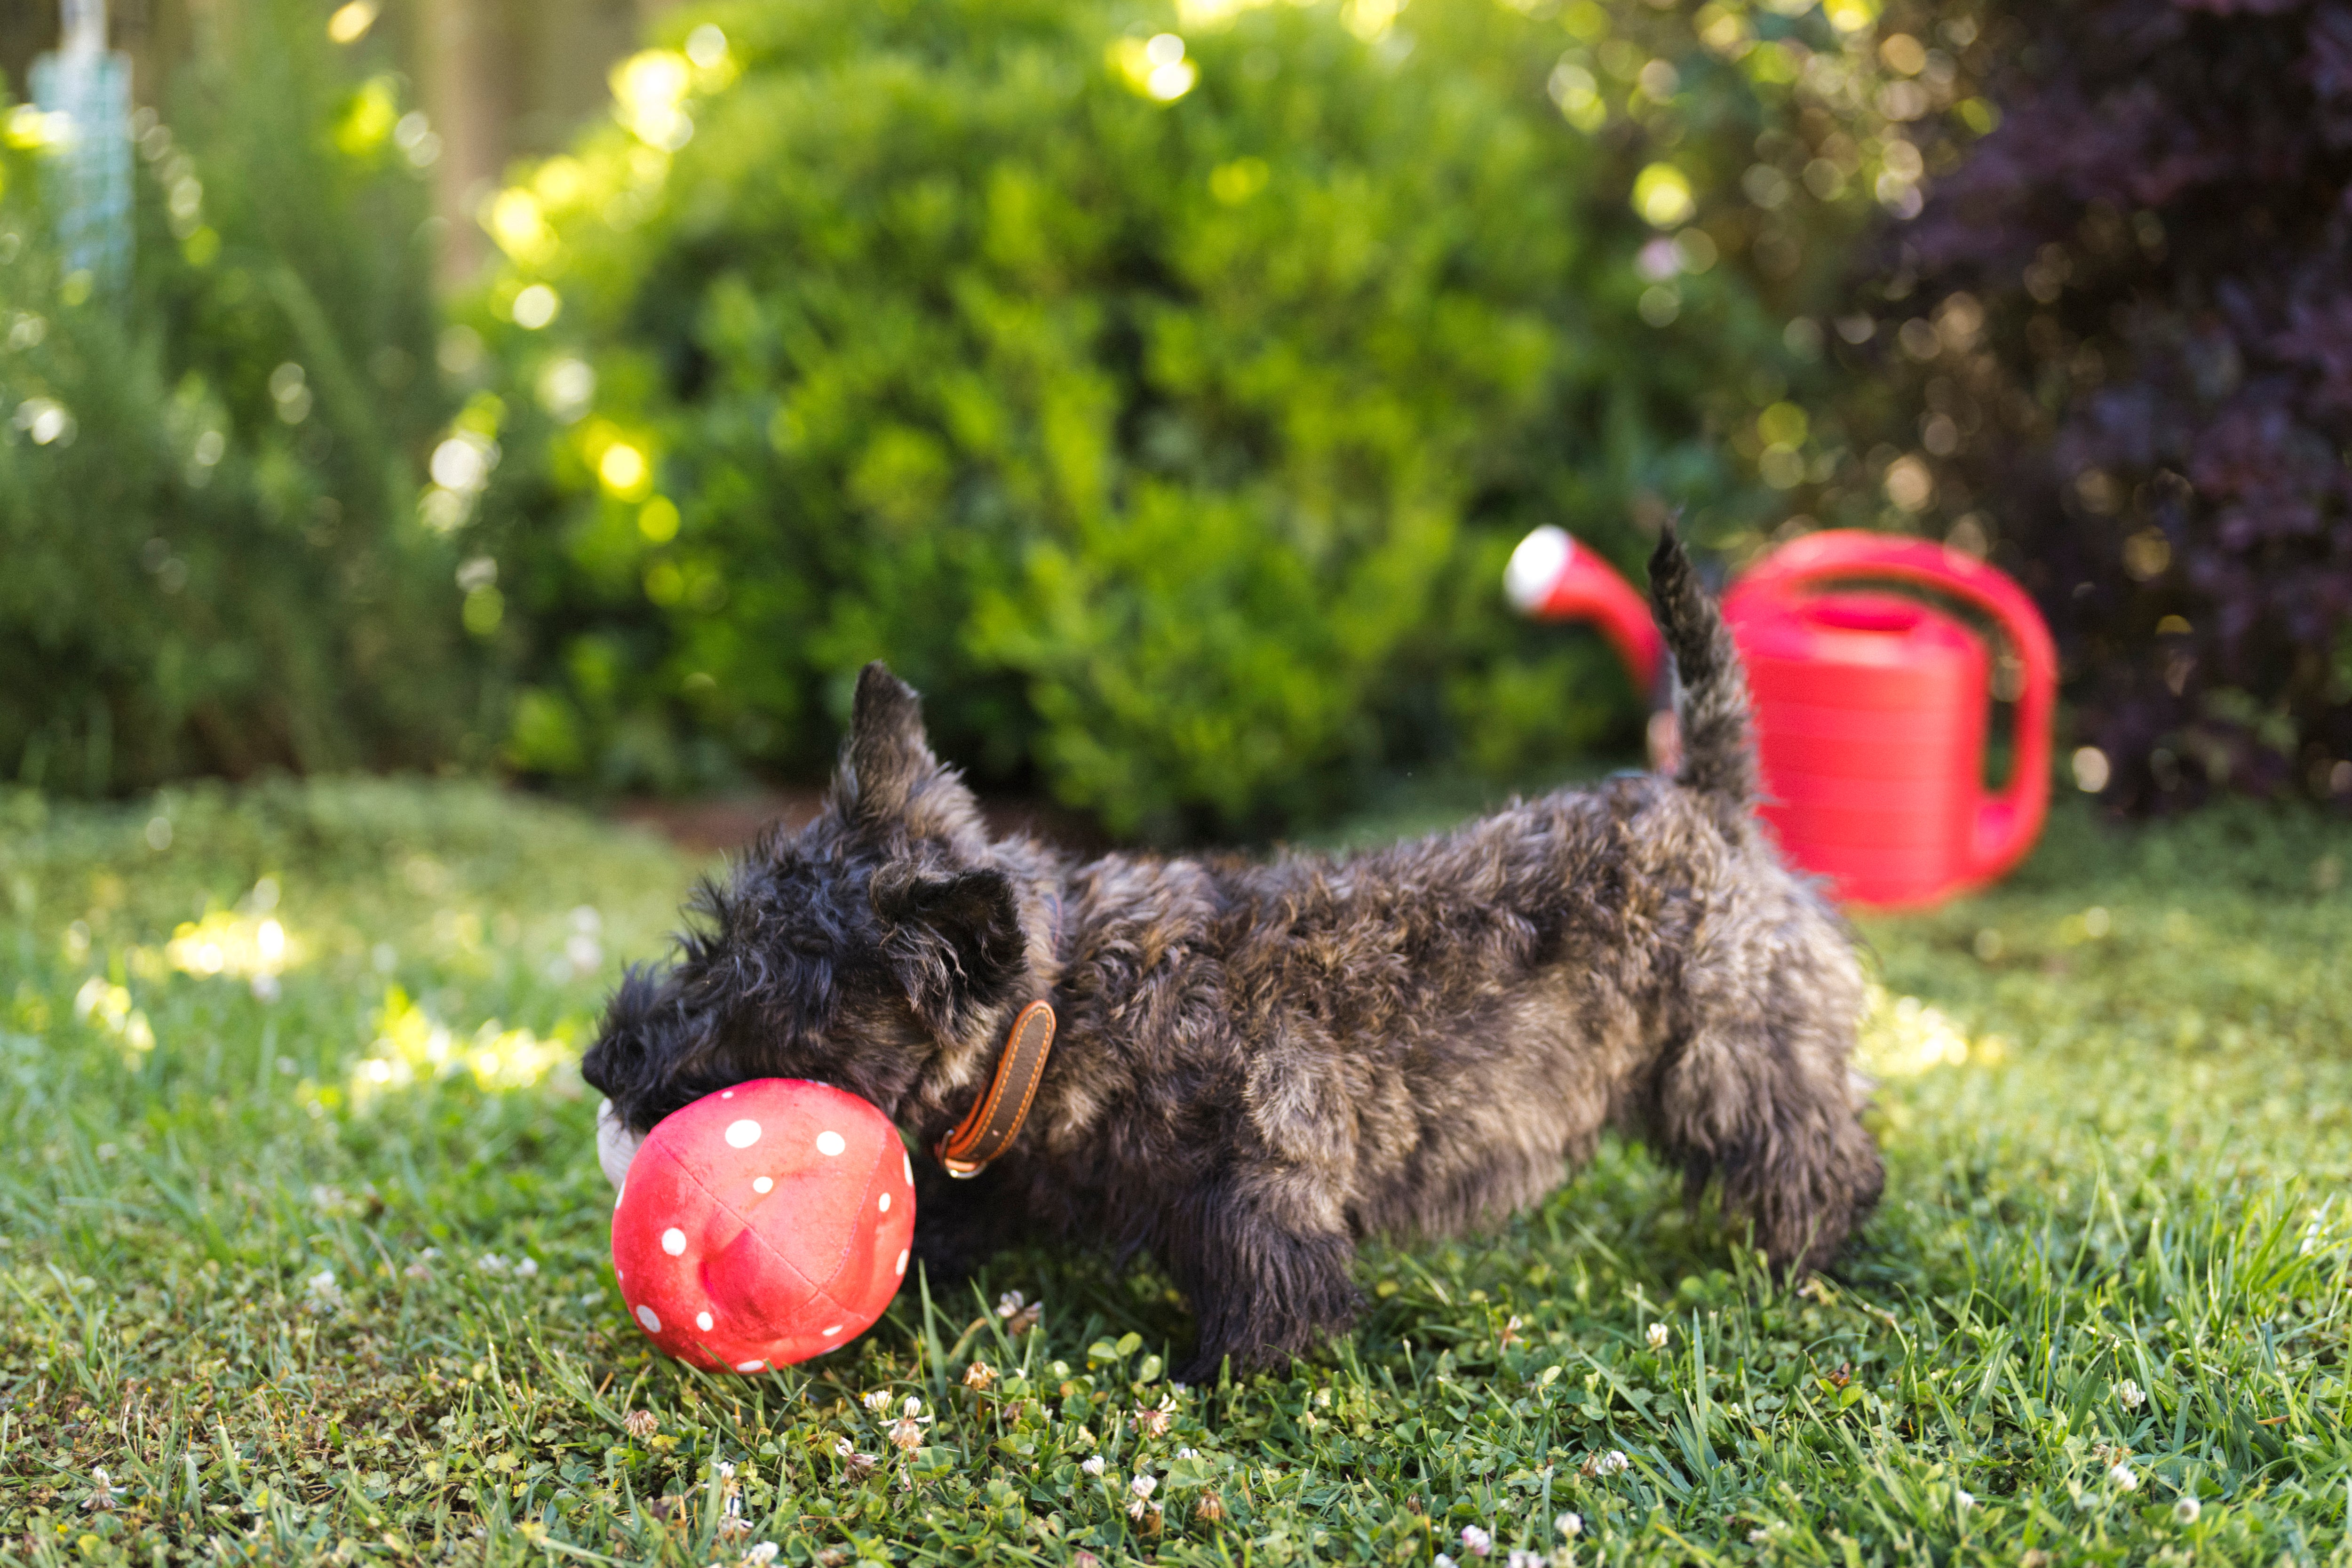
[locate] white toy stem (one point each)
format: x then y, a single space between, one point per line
617 1146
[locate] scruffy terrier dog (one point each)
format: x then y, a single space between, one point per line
1259 1064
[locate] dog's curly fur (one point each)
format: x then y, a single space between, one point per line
1260 1063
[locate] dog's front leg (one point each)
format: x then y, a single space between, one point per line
960 1224
1266 1281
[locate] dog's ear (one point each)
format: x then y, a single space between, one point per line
887 777
954 940
884 755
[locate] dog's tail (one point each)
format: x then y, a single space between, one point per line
1711 703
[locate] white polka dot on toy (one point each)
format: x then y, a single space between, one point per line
902 1260
885 1203
702 1321
764 1184
726 1094
674 1241
645 1316
742 1135
749 1366
830 1142
833 1331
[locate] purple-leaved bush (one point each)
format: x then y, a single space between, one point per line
2131 305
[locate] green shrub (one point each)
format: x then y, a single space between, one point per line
1173 447
208 479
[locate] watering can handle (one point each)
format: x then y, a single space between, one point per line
2007 822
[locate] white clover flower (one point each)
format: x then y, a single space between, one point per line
1476 1541
2125 1482
1094 1465
1659 1333
2130 1394
1570 1524
907 1432
878 1402
1608 1464
2186 1510
104 1493
1143 1486
1441 1561
842 1446
1188 1453
1760 1537
527 1268
1968 1499
760 1555
1520 1558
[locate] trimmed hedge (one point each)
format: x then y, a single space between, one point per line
1169 430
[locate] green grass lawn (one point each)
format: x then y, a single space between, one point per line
302 1250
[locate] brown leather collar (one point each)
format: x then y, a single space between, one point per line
991 1125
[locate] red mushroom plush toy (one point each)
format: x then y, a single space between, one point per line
763 1225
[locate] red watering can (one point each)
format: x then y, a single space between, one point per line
1871 709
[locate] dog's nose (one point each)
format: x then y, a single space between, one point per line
615 1145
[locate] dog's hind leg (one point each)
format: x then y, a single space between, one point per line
1263 1288
1774 1119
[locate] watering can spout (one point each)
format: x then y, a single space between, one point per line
1553 578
